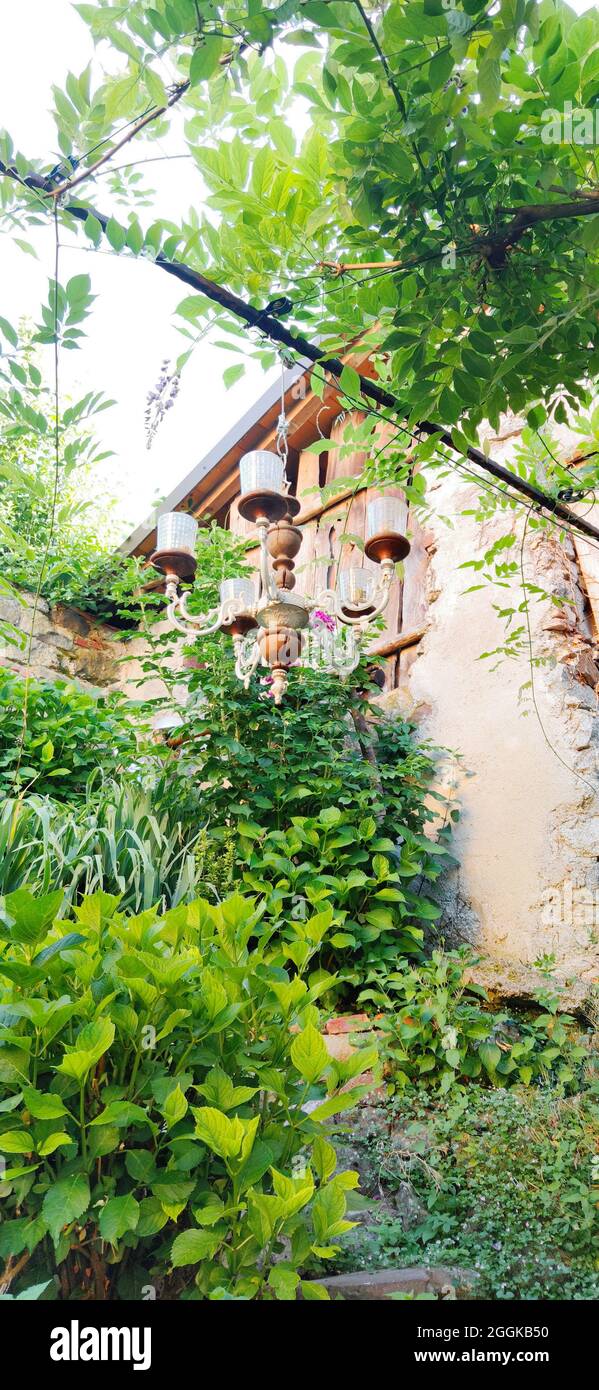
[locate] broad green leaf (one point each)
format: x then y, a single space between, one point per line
16 1141
92 1042
64 1202
192 1246
43 1105
309 1054
53 1142
121 1214
175 1107
223 1135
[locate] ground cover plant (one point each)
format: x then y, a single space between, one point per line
500 1184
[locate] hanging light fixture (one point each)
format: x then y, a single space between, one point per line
269 624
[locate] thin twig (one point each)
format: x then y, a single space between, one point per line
134 130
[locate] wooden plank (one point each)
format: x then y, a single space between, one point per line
389 646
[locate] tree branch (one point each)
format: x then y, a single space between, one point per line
272 328
385 65
143 121
495 248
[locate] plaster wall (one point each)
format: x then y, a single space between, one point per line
526 764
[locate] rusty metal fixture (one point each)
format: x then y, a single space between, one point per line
177 562
240 626
280 646
279 613
387 546
266 506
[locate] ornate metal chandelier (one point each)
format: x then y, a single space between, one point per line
269 624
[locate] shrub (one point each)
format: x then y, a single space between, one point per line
69 734
154 1078
434 1030
344 859
359 839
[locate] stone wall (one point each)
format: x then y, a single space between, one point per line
70 645
526 763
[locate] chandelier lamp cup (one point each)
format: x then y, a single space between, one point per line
176 537
357 591
268 627
264 488
385 541
262 471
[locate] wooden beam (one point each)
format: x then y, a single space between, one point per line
391 645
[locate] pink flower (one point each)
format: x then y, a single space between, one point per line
326 619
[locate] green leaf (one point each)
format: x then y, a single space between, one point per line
489 84
152 1217
93 229
64 1202
324 1158
223 1135
205 59
140 1165
219 1089
78 289
92 1042
233 374
43 1105
116 234
31 915
192 1246
121 1214
156 87
175 1107
490 1056
284 1281
309 1054
9 332
16 1141
53 1141
122 1113
314 1292
350 382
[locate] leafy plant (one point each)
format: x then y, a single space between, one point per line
154 1079
113 840
58 527
340 859
504 1183
434 1030
68 734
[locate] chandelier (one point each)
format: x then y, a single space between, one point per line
269 624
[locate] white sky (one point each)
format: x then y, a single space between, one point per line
131 329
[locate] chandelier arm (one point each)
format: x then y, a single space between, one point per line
364 613
336 653
269 588
245 666
192 624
